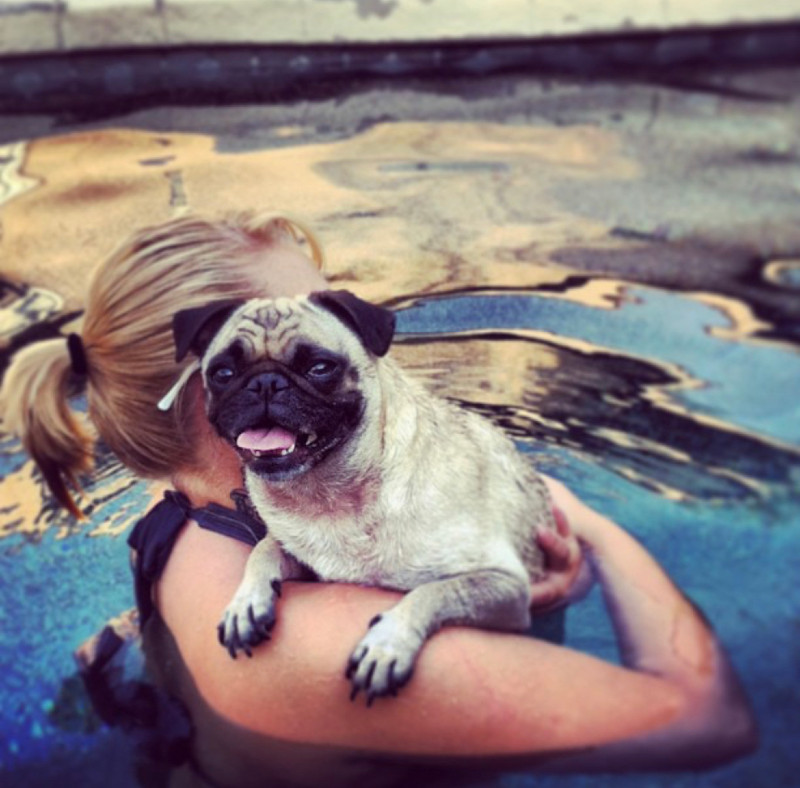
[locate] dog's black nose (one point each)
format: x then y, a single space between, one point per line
267 383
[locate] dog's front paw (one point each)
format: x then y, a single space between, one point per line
250 617
384 659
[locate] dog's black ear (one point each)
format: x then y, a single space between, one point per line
373 324
194 329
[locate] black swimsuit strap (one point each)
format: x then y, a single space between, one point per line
236 523
154 536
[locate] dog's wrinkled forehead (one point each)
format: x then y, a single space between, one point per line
333 319
264 324
271 328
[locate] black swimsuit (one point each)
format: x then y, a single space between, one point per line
158 723
153 537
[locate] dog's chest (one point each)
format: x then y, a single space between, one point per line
347 549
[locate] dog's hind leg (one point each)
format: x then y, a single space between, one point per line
384 659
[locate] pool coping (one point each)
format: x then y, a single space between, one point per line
48 26
110 81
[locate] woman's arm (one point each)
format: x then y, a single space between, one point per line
474 693
660 633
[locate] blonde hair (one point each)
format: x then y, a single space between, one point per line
128 342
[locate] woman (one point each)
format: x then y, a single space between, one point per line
478 700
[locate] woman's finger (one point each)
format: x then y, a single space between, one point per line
545 593
556 549
562 524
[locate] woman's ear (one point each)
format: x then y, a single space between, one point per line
373 324
193 329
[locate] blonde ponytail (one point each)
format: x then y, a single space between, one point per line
34 405
128 347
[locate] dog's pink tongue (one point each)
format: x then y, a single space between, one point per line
272 439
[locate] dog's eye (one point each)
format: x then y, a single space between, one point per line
322 369
221 376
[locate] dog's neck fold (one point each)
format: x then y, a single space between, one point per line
346 484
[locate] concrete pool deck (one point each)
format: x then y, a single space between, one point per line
37 26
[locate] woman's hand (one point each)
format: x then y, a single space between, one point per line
568 577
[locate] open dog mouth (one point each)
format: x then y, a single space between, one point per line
274 441
277 451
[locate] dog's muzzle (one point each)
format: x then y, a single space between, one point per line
280 427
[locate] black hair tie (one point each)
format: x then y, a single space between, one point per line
77 355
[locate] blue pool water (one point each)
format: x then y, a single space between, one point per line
748 385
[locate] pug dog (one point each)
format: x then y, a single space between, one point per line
362 476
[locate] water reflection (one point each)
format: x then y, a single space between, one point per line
645 387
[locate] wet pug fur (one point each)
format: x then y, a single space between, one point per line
363 476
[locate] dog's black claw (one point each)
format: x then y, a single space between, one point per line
354 693
370 698
354 662
221 633
392 683
262 632
253 623
233 640
405 679
276 587
352 667
375 620
368 679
